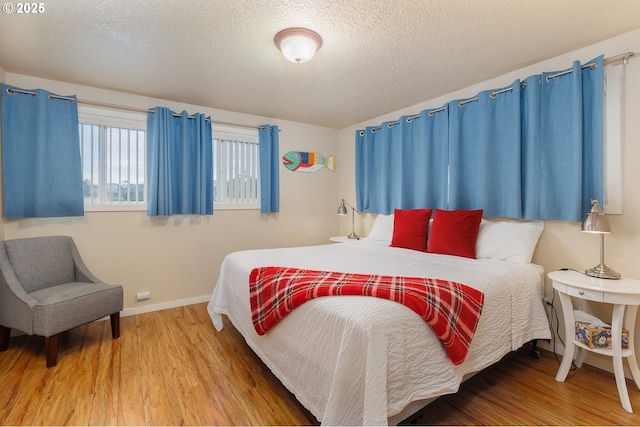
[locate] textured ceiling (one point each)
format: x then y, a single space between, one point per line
377 56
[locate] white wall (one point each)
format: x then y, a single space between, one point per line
562 244
178 258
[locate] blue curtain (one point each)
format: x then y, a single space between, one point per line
269 172
179 163
531 147
566 131
532 150
592 134
403 164
42 169
484 152
375 169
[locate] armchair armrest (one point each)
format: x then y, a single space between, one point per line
82 272
15 302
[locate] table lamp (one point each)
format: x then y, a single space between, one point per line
342 210
597 222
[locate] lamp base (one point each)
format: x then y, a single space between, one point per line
601 271
353 236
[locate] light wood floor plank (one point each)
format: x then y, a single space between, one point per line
130 407
172 368
106 381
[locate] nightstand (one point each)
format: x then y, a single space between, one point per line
341 239
622 294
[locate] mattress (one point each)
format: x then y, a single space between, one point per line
357 360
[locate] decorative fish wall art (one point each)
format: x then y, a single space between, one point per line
301 161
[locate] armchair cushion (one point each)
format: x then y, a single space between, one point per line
70 304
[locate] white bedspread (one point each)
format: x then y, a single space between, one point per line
354 360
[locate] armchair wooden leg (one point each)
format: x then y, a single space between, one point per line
51 350
5 333
115 325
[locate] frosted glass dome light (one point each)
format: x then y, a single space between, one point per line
298 44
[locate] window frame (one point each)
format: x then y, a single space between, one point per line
246 135
91 115
104 116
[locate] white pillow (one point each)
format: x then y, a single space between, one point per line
512 241
382 230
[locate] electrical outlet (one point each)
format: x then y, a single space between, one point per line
141 296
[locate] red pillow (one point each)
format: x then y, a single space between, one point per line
410 228
455 232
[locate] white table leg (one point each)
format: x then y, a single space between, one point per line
616 346
579 351
578 356
630 324
569 336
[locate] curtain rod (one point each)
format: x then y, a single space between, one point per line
608 61
622 57
148 110
124 107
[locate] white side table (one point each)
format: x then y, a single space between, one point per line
341 239
622 294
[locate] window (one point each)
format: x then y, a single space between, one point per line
113 154
236 179
113 149
614 82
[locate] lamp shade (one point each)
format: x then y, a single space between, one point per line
342 209
298 44
596 221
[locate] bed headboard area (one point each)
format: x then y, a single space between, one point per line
509 240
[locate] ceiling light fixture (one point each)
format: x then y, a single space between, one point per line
298 44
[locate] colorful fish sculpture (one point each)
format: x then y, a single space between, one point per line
300 161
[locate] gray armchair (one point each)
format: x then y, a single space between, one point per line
46 289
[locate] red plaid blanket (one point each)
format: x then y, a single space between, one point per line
451 309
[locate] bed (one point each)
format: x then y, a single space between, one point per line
357 360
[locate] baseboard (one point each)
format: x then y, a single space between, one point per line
164 305
546 345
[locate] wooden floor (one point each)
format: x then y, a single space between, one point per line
521 390
172 368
